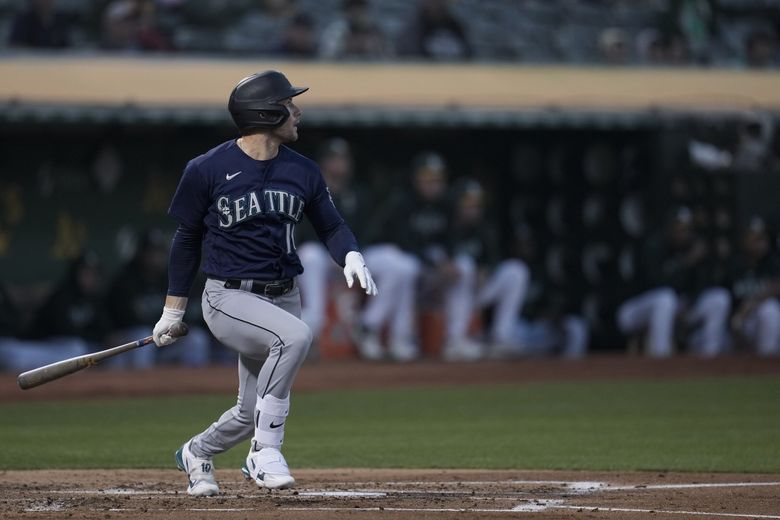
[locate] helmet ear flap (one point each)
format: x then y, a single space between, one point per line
271 118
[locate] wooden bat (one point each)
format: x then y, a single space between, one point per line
44 374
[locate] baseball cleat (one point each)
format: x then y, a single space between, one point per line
369 344
268 469
403 352
463 350
200 472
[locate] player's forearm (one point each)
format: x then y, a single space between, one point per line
337 237
341 242
331 228
176 302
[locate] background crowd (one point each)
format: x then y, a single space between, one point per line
733 33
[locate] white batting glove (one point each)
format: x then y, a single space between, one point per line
354 265
170 316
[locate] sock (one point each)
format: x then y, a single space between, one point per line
270 416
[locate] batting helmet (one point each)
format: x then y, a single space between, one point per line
255 101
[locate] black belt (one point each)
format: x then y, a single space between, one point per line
270 289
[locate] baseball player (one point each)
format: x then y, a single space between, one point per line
550 323
240 203
755 286
397 273
137 292
680 289
486 278
418 224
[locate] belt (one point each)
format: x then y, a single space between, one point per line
269 289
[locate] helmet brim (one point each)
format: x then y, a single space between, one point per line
294 91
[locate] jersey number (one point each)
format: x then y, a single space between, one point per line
289 229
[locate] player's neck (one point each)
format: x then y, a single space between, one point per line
260 147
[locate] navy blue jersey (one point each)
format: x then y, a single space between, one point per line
246 211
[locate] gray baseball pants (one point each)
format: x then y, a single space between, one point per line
272 343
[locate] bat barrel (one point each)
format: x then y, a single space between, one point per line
44 374
39 376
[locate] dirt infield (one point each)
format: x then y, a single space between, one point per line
401 494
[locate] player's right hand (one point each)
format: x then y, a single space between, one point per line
169 317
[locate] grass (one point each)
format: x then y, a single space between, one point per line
724 424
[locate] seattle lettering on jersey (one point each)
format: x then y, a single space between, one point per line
235 211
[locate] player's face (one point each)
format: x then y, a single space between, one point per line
288 132
430 183
756 244
88 278
682 233
337 169
470 207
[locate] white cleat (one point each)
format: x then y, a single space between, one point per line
268 469
403 352
463 350
200 473
370 345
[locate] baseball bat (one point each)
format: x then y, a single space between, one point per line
44 374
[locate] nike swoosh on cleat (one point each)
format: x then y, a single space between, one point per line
228 176
179 460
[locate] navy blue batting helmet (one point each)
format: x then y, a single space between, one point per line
255 101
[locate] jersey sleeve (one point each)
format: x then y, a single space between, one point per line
190 203
328 224
189 207
184 260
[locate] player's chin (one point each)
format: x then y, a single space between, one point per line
287 134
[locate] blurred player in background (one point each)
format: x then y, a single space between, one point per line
136 294
679 290
548 324
486 280
418 225
356 207
392 309
69 323
238 204
755 286
335 160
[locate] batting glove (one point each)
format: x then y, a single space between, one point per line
354 265
169 317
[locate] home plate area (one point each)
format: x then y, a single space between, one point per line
366 493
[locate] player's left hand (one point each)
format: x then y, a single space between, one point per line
354 265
